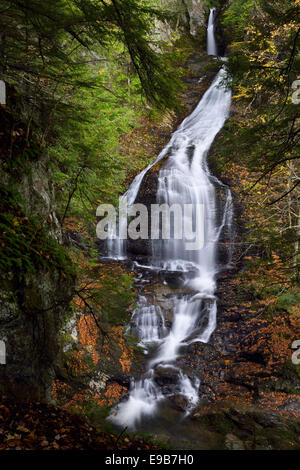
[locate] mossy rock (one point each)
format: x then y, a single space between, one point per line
250 428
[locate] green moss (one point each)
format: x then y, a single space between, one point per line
97 415
279 439
219 422
289 379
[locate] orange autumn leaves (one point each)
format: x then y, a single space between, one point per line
89 335
127 353
112 394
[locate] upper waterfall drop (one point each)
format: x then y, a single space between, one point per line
211 40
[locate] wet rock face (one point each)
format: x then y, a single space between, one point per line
146 196
33 306
227 235
37 194
179 402
233 443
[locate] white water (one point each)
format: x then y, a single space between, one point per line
148 321
184 179
211 42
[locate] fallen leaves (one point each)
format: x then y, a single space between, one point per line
38 426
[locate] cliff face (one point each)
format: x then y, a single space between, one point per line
33 302
196 15
189 16
31 315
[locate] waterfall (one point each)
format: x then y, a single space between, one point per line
183 179
211 41
148 322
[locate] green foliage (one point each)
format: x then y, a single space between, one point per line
238 15
289 299
108 290
86 159
264 133
88 164
25 245
80 72
47 47
98 415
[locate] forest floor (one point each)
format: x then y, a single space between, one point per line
38 426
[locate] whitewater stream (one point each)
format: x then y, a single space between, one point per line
183 179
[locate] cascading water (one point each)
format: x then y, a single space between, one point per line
148 321
211 42
183 179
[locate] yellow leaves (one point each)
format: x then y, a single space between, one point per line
243 92
237 44
23 429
